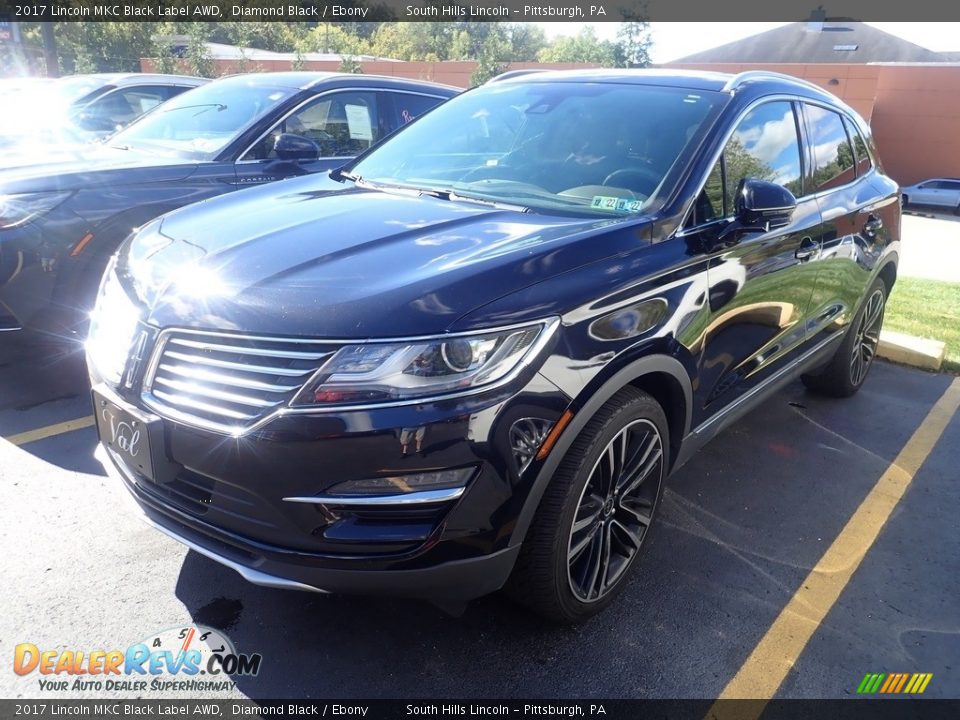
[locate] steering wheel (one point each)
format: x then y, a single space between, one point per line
638 179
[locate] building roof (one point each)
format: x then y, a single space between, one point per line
222 51
819 40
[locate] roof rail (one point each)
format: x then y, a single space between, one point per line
516 73
748 75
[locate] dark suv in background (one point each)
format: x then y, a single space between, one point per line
61 219
469 359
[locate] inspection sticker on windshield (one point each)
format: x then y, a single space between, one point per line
615 204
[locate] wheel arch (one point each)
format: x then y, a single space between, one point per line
888 272
662 377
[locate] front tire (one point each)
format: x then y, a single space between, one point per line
848 368
595 516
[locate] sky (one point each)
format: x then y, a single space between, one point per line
674 40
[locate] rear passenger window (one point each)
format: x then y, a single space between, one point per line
410 106
765 146
832 154
859 147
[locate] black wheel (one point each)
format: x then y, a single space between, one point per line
845 373
594 518
905 202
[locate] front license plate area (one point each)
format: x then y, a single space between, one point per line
133 436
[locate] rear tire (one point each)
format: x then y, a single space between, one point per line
595 516
906 201
843 376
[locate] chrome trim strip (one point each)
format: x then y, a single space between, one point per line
747 75
413 498
763 386
257 577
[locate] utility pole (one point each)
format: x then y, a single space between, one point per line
50 49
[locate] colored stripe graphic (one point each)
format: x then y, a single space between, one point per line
908 683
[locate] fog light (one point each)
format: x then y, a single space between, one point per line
397 484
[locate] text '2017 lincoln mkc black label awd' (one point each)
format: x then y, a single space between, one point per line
468 360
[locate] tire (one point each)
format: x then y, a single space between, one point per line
844 374
561 573
956 211
905 202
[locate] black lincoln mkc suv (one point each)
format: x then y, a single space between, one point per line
468 359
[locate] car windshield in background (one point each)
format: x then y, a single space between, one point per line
597 148
199 123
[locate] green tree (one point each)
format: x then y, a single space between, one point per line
198 57
584 47
634 41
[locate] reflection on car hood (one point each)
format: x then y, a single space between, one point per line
350 263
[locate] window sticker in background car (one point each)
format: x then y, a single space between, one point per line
615 204
358 121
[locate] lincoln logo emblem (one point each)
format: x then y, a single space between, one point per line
125 437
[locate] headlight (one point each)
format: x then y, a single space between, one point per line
113 325
405 370
17 210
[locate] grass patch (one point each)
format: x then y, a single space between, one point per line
929 309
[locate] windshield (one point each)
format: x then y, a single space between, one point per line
199 123
596 148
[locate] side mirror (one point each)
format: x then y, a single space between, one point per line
288 146
763 205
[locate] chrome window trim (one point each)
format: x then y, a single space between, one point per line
683 230
316 96
549 328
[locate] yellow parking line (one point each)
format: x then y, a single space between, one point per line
765 669
50 430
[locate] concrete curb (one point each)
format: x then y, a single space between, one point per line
913 351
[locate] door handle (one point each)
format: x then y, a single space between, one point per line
872 226
808 248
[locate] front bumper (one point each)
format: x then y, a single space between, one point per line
449 551
454 581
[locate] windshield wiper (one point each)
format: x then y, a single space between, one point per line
456 197
339 174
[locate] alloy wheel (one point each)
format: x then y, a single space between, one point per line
867 337
615 510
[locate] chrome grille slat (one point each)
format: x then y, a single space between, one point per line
221 379
262 352
242 367
200 405
197 389
227 382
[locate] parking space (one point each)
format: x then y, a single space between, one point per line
931 247
740 529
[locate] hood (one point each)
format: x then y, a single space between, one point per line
77 167
351 263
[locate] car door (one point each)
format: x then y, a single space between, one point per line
951 193
927 193
856 213
759 285
342 123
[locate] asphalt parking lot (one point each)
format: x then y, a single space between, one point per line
728 566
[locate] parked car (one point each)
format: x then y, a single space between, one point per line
61 220
69 111
937 192
469 359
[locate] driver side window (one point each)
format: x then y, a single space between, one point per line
764 146
341 124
